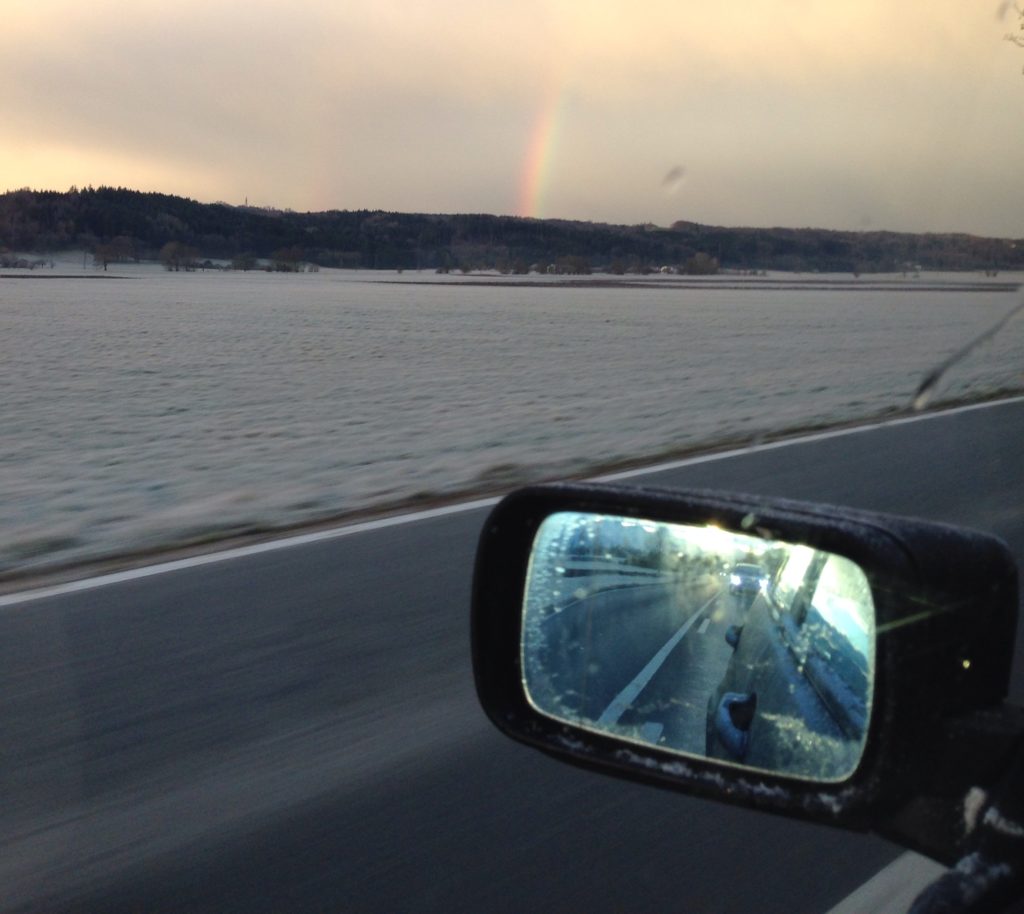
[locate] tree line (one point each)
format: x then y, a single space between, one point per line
118 224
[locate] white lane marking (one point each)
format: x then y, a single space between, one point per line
704 626
303 539
320 536
628 695
893 889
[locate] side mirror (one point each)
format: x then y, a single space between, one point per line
819 662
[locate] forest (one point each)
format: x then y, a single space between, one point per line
119 224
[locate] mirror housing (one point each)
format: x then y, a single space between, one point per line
945 611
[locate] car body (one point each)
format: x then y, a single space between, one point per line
747 580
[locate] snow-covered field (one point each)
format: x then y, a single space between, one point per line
142 408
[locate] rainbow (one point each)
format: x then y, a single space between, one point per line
540 153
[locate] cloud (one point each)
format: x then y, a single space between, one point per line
321 103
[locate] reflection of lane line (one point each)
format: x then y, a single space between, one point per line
704 625
628 695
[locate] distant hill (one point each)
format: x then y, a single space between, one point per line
120 224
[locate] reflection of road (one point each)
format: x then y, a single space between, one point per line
642 661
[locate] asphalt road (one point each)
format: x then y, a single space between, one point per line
297 730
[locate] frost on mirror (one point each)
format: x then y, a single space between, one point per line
701 641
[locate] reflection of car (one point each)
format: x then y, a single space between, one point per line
747 580
798 679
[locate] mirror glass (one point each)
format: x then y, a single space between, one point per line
701 641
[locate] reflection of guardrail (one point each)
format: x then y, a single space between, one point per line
579 579
563 582
577 589
580 567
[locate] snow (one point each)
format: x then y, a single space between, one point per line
994 819
143 409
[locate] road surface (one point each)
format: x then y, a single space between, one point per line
296 729
635 660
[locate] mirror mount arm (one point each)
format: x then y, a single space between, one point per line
983 750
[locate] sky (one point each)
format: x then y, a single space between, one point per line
905 116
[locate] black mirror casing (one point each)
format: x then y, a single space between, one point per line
946 606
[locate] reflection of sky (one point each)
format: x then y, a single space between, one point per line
711 539
572 530
842 596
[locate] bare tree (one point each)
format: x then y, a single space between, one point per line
102 255
120 250
177 256
287 260
1015 37
245 261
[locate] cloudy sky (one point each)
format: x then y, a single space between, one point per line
870 114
